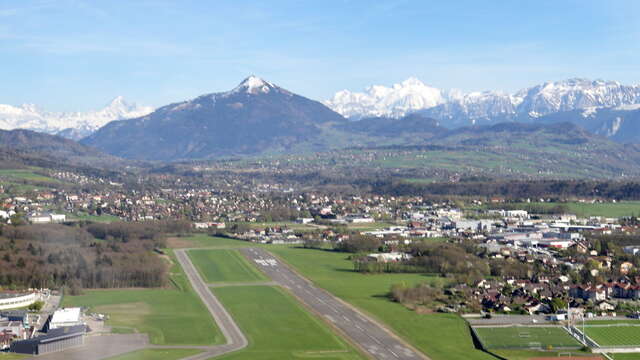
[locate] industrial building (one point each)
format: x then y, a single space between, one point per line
65 317
55 340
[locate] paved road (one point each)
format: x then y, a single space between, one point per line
363 331
235 338
99 347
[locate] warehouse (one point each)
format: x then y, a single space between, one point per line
65 317
55 340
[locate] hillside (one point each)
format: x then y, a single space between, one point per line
255 117
34 148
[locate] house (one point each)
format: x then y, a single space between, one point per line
389 257
46 218
304 220
605 306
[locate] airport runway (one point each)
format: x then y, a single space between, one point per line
235 338
361 330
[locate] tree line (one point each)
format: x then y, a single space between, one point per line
112 255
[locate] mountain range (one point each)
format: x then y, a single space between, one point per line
454 108
72 125
258 118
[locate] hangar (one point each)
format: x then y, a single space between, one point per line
55 340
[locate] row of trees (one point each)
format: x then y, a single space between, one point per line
628 190
91 255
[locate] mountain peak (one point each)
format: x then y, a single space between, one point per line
118 100
253 85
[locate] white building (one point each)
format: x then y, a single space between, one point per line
46 218
65 317
13 301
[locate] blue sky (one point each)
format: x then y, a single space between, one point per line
77 55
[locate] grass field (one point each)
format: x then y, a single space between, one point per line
614 210
94 218
9 356
440 336
204 240
277 326
26 174
534 354
171 316
629 356
223 266
156 354
525 337
614 335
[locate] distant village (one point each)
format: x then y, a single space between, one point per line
573 268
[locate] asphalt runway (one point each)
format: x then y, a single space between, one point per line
235 338
370 336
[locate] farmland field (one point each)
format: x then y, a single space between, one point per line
155 354
278 327
520 337
224 266
614 335
171 316
440 336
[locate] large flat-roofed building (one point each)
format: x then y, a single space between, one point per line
65 317
17 300
55 340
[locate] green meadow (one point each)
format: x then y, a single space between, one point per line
223 266
440 336
278 327
171 316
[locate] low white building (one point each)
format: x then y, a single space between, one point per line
65 317
14 301
46 218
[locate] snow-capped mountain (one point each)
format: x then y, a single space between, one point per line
574 94
72 125
254 117
454 108
378 100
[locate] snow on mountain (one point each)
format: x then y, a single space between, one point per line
574 94
378 100
454 108
253 85
68 124
471 108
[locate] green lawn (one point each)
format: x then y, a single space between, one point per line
224 266
95 218
277 326
525 337
171 316
25 174
9 356
532 354
629 356
612 335
156 354
205 240
440 336
288 224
